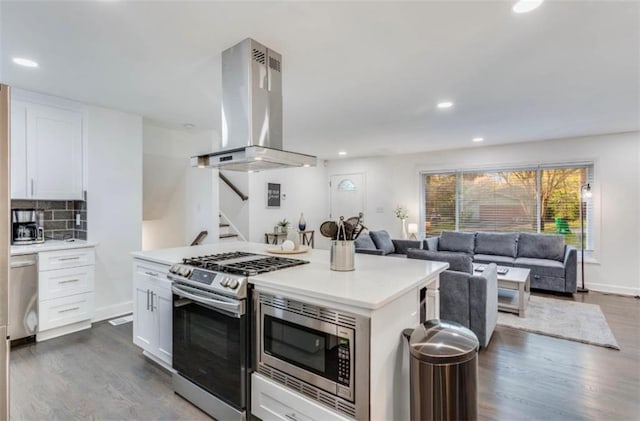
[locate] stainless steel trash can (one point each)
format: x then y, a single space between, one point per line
444 371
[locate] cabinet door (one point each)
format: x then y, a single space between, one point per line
163 311
144 324
54 153
19 150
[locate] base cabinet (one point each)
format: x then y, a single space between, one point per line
65 291
152 312
271 401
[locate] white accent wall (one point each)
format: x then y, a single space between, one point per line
114 204
395 179
179 200
304 190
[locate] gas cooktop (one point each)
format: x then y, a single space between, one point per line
242 263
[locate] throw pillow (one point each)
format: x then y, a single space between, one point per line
457 262
457 241
541 246
364 242
382 240
497 244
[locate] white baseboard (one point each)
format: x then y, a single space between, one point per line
613 289
112 311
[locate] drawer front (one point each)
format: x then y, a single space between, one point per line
65 282
62 259
270 401
66 310
154 270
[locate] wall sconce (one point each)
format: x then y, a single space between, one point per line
412 229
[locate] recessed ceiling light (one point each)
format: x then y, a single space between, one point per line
445 104
306 165
342 153
189 126
478 139
24 62
525 6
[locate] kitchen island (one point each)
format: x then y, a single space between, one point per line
384 290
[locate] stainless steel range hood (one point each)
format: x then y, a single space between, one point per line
252 113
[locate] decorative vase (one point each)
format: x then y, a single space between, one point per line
302 224
404 229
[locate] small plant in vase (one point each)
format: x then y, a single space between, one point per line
402 213
284 225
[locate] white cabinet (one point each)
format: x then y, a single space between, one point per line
46 151
152 312
273 402
65 291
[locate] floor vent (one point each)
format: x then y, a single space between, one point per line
121 320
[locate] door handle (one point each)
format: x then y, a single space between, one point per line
154 274
22 264
32 187
68 281
69 309
152 296
147 300
64 259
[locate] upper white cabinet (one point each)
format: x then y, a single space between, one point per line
46 150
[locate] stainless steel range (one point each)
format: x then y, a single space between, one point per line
212 329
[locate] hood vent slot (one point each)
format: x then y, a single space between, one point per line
274 64
258 56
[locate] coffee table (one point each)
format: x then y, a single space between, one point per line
513 290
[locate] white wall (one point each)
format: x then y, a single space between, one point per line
393 180
179 200
231 205
304 190
114 204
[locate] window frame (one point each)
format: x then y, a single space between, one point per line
590 207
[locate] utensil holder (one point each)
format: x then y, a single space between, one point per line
342 255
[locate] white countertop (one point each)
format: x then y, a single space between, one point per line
376 281
51 245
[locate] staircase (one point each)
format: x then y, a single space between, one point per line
227 232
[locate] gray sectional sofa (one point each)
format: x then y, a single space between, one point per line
553 264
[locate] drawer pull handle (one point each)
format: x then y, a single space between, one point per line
69 309
69 281
62 259
155 274
291 416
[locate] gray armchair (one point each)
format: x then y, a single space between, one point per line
471 300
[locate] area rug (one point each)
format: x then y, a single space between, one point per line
564 319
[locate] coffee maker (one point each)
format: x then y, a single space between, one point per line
27 226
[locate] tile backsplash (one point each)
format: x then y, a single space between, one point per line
59 217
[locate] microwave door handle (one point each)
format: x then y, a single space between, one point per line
234 308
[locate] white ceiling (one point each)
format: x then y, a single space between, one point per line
358 76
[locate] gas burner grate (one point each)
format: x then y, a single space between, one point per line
209 261
260 265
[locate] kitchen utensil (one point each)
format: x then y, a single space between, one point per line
341 232
348 229
329 229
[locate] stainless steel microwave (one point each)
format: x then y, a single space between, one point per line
320 352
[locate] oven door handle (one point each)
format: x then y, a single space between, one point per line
234 308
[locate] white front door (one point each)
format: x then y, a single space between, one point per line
347 195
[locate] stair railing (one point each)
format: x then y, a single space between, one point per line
201 236
233 187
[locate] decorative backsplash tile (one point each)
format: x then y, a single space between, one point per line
59 217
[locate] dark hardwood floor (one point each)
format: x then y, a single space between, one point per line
100 374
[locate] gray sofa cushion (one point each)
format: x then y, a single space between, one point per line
541 246
457 262
382 240
498 244
430 243
542 267
457 241
364 242
488 258
401 246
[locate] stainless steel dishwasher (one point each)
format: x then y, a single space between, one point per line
23 296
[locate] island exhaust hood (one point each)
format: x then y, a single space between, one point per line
252 113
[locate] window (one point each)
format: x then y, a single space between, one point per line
539 199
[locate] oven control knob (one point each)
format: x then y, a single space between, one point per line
233 284
224 282
186 271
